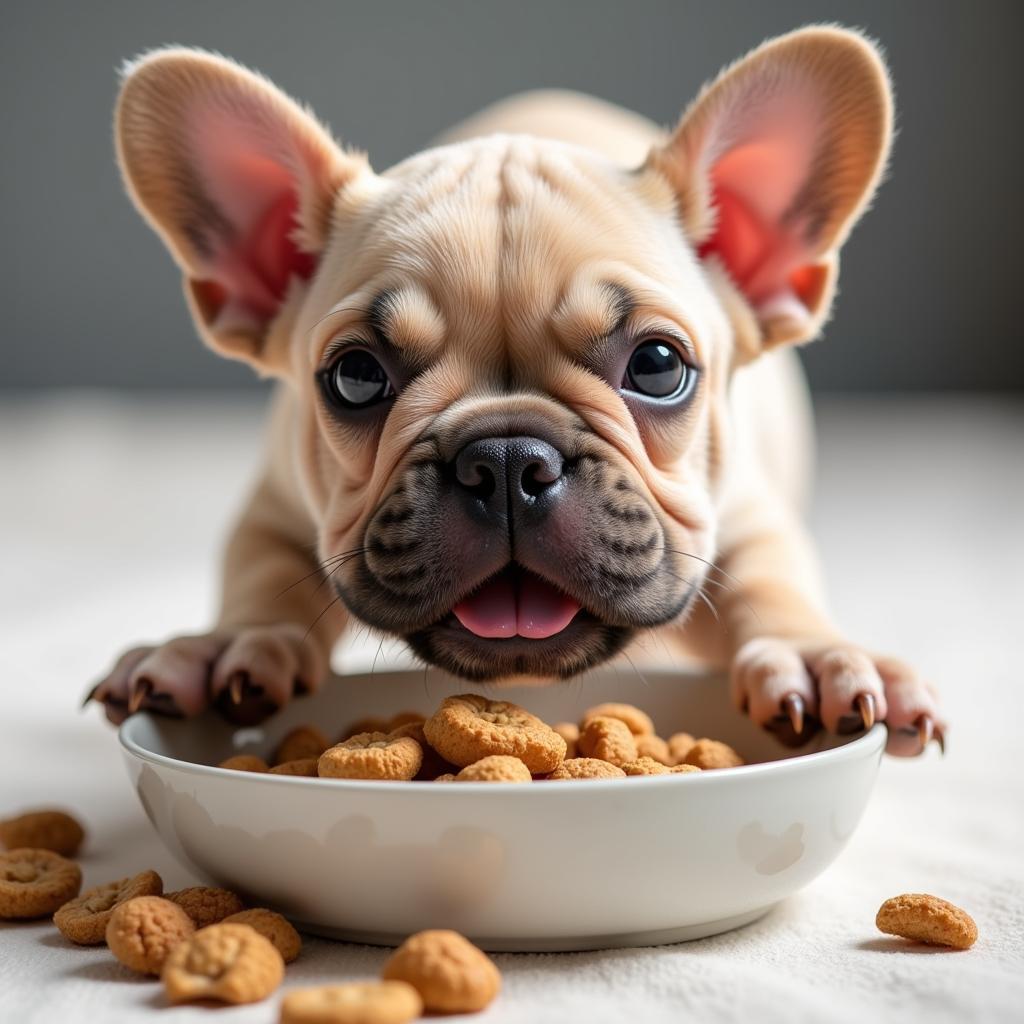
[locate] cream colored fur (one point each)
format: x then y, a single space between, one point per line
497 242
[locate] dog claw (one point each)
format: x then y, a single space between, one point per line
140 691
940 738
236 688
925 730
90 696
865 704
793 705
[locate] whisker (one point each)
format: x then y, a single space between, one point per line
321 566
380 647
640 675
330 604
717 568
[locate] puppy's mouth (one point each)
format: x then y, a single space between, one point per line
517 624
515 602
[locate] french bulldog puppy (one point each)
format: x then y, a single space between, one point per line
535 397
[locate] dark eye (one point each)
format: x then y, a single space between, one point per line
357 380
656 369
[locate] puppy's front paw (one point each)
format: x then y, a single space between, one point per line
246 673
790 689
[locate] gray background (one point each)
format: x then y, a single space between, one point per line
91 299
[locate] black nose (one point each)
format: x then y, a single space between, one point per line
521 468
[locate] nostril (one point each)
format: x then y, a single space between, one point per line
538 477
479 480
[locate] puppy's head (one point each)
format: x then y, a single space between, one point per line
511 356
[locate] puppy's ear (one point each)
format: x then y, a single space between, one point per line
774 162
237 179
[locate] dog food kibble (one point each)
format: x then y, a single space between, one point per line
586 768
302 742
925 918
471 738
84 919
303 766
245 763
231 963
206 905
679 745
496 768
607 739
34 883
360 1002
271 926
433 763
372 755
645 766
639 722
43 830
449 972
142 932
469 727
370 724
712 754
654 747
404 718
570 732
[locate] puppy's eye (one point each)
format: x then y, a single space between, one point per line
656 369
357 380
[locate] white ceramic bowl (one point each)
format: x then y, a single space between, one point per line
540 866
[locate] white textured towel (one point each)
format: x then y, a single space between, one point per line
109 532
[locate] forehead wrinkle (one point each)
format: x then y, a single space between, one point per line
590 310
408 318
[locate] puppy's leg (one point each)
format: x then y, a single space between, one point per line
790 665
273 637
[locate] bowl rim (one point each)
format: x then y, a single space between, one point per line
866 745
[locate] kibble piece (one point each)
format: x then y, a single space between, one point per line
679 745
245 763
683 769
654 747
433 763
496 768
638 722
707 754
231 963
205 904
372 755
608 739
34 883
359 1002
302 742
84 919
56 831
449 972
143 931
570 732
585 768
370 724
470 727
446 777
925 918
303 766
271 926
645 766
405 718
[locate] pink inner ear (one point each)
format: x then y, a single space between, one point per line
254 254
754 185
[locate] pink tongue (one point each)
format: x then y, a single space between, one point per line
493 611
